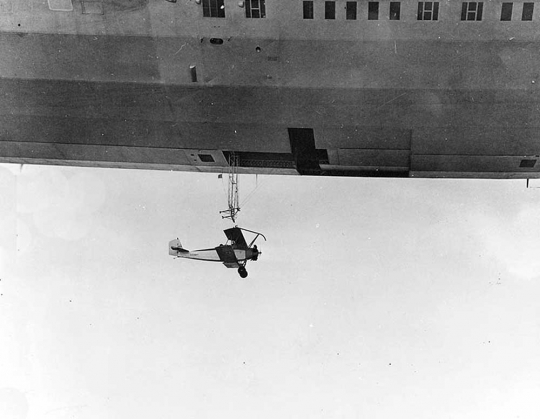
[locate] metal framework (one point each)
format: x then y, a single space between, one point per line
233 200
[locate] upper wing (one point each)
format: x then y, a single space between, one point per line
227 256
235 235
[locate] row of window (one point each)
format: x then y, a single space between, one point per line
527 13
216 8
427 10
473 11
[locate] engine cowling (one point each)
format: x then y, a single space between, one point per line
255 253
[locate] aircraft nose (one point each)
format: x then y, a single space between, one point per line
256 254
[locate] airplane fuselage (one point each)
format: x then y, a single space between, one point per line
211 255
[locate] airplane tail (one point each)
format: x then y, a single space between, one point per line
175 248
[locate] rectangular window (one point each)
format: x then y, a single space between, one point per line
373 10
206 158
351 10
255 9
527 163
395 7
308 9
472 10
506 11
528 9
329 9
213 8
428 10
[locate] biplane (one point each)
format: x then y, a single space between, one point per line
234 254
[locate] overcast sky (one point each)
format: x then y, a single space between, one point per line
373 298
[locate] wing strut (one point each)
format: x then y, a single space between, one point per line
256 237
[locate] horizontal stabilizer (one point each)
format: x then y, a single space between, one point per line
175 248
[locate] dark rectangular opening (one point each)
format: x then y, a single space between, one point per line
304 151
373 10
308 9
206 158
528 163
463 11
528 9
506 11
329 9
435 10
471 10
395 7
213 8
479 10
351 10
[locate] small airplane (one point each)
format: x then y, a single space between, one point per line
234 254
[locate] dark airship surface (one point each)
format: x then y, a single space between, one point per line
346 88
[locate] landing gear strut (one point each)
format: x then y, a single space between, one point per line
242 272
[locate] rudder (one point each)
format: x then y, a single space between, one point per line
175 248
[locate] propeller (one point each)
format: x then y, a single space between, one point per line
257 253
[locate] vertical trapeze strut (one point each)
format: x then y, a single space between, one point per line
233 200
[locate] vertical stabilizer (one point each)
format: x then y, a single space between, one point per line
175 248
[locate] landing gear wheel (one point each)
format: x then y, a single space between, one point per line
242 272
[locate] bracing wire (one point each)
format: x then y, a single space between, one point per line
249 196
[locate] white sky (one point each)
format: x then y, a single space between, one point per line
373 298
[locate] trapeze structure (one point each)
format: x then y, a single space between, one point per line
232 192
